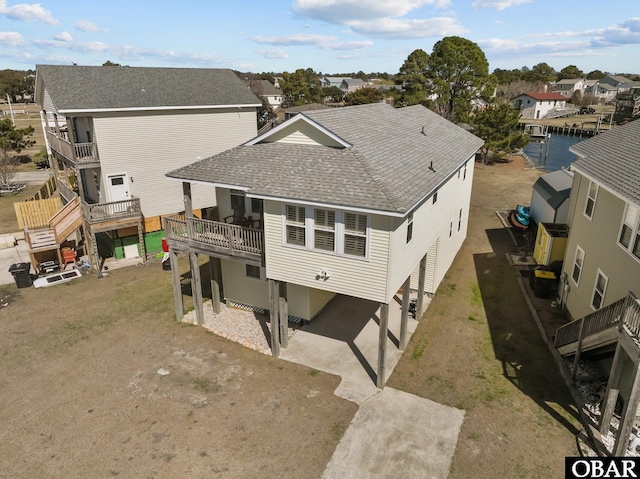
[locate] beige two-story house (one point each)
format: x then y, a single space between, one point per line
359 201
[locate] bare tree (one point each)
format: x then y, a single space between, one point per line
12 139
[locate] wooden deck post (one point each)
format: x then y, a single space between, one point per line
215 273
628 416
177 287
196 287
274 314
404 317
613 389
188 204
576 359
283 308
382 344
421 281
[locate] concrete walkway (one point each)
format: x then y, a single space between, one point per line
396 434
9 256
393 434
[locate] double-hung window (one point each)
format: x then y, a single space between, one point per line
599 290
578 263
295 225
630 232
355 234
324 229
591 200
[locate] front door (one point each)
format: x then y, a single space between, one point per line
118 187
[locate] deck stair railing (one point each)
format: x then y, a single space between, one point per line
624 312
203 233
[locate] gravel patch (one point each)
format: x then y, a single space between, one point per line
250 329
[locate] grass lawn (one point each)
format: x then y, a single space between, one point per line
8 221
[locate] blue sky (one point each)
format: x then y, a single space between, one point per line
329 36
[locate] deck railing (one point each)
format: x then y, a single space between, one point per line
114 210
625 311
237 240
79 153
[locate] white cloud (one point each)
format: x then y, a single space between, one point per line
87 26
64 37
27 13
497 4
401 28
12 39
324 42
273 54
343 12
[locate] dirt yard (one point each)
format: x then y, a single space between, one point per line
81 396
479 349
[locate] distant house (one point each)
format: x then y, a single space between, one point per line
550 197
603 92
537 105
112 132
327 82
358 201
264 89
614 80
294 110
350 85
568 87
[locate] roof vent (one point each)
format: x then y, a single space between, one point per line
431 167
423 131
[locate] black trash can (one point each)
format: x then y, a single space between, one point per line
21 274
544 283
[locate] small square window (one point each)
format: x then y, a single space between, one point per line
435 198
410 227
252 271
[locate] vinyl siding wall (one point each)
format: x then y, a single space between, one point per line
599 240
351 276
302 133
430 223
303 302
147 145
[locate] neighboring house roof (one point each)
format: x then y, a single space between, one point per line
611 159
617 78
263 88
351 82
606 86
554 187
306 107
336 79
87 88
568 81
543 96
385 166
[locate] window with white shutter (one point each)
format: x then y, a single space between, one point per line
324 229
577 265
295 225
355 234
628 225
599 290
591 200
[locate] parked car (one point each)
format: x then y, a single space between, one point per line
586 110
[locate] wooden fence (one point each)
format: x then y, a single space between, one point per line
45 191
36 213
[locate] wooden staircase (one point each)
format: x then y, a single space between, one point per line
600 328
60 226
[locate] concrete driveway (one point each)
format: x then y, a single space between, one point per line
393 434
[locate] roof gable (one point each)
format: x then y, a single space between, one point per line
88 88
544 96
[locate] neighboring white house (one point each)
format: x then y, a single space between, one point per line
353 201
264 89
112 133
568 87
537 105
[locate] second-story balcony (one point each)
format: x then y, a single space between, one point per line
205 236
114 211
77 155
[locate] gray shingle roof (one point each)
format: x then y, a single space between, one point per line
386 168
613 159
97 88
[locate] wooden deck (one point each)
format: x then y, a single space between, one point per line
214 238
79 155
